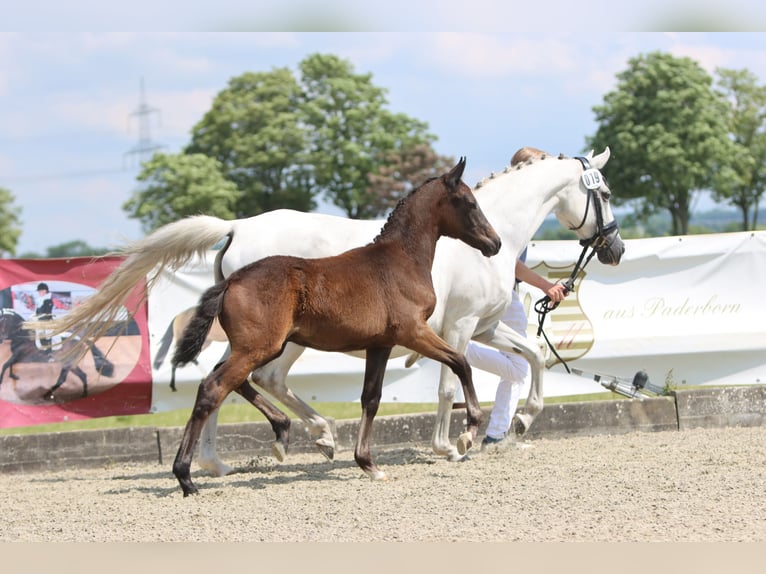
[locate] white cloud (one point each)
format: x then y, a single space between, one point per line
7 61
173 113
181 110
6 164
490 55
88 209
533 63
93 112
101 41
711 57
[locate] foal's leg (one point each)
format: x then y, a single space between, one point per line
280 424
272 378
211 393
430 345
374 370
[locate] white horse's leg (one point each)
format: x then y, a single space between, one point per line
506 339
271 378
440 441
448 383
208 456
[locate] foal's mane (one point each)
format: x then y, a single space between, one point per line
398 208
529 156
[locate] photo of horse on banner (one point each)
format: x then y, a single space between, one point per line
471 292
40 368
26 347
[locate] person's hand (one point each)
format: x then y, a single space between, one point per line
557 292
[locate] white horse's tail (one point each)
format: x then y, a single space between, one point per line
171 246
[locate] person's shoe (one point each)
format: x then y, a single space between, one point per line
490 442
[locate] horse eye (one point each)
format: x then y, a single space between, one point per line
606 194
463 200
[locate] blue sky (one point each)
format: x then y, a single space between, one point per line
66 100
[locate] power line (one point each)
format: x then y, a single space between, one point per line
143 150
64 175
145 147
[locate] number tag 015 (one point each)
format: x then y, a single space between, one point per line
592 179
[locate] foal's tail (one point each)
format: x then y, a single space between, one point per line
171 245
194 336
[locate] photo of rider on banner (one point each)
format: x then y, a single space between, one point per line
41 379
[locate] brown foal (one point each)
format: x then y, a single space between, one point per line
370 298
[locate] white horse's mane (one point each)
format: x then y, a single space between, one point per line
507 169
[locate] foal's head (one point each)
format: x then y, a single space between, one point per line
461 217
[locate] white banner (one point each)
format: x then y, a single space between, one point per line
684 309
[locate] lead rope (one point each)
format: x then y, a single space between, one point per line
545 305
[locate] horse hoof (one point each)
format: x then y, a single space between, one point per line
191 489
215 467
464 442
278 451
455 456
377 475
519 426
327 450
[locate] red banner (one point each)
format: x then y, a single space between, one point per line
36 385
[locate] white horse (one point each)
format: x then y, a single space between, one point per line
472 291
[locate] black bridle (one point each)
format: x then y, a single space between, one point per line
592 179
598 241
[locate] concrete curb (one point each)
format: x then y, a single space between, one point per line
711 408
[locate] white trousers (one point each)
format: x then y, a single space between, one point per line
510 367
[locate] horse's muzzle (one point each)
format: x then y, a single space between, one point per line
610 253
491 246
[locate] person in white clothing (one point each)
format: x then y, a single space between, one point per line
510 367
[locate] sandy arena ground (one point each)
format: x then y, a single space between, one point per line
700 485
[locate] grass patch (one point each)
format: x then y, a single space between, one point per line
240 413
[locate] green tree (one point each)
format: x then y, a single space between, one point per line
742 181
285 141
10 223
666 127
352 133
178 185
76 248
256 130
399 172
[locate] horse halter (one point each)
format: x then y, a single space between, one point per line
592 179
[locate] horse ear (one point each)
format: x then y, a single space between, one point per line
600 160
454 175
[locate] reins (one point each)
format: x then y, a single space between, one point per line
543 306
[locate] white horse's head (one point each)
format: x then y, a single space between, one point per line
584 208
